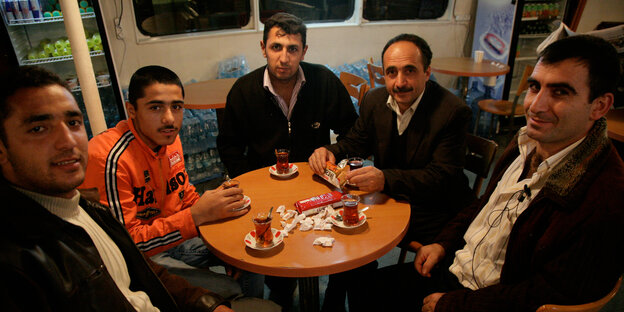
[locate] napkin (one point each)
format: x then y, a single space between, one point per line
324 241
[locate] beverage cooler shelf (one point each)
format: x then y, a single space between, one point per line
55 59
43 20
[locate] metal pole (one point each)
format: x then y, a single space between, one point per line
84 67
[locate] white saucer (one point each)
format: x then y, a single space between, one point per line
292 170
250 239
246 203
339 223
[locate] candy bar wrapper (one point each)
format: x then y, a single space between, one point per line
315 204
335 174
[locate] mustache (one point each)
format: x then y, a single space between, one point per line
405 89
539 116
167 128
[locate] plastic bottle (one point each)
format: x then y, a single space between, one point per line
473 97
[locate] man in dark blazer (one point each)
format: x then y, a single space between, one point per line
415 130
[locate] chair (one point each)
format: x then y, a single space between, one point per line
355 85
375 74
587 307
479 157
504 107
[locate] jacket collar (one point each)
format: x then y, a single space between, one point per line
569 178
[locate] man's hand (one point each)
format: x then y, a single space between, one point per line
218 204
430 302
427 257
318 160
222 308
367 179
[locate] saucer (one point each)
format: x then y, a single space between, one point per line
339 223
246 203
250 239
292 170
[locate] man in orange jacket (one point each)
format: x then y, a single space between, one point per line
138 170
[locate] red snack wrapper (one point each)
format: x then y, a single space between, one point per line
304 205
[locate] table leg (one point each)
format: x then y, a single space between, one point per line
463 84
309 294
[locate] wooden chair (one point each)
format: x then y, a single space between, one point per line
479 158
375 74
504 107
355 85
588 307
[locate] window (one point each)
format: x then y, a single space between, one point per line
309 10
167 17
378 10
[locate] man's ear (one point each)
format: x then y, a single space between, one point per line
600 106
131 111
4 154
262 47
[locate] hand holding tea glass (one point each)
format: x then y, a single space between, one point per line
218 204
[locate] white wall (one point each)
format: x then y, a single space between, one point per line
196 56
597 11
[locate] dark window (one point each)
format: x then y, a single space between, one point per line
379 10
319 11
168 17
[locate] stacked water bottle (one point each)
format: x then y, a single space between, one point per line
233 67
199 140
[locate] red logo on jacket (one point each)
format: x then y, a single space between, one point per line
174 159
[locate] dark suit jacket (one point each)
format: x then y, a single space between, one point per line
434 183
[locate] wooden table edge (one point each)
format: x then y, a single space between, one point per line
311 272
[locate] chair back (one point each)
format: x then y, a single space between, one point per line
479 157
355 85
375 75
588 307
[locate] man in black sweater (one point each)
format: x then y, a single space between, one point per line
285 104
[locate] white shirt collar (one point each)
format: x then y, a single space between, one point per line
403 119
286 109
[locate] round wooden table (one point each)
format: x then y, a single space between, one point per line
465 67
387 223
615 124
207 94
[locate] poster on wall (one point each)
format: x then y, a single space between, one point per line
494 23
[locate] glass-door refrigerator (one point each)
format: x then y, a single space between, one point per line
36 36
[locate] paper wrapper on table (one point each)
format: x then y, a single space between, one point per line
324 241
315 204
336 174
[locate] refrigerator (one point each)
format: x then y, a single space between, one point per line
33 33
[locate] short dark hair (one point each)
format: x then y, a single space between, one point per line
422 45
18 78
289 23
598 55
148 75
